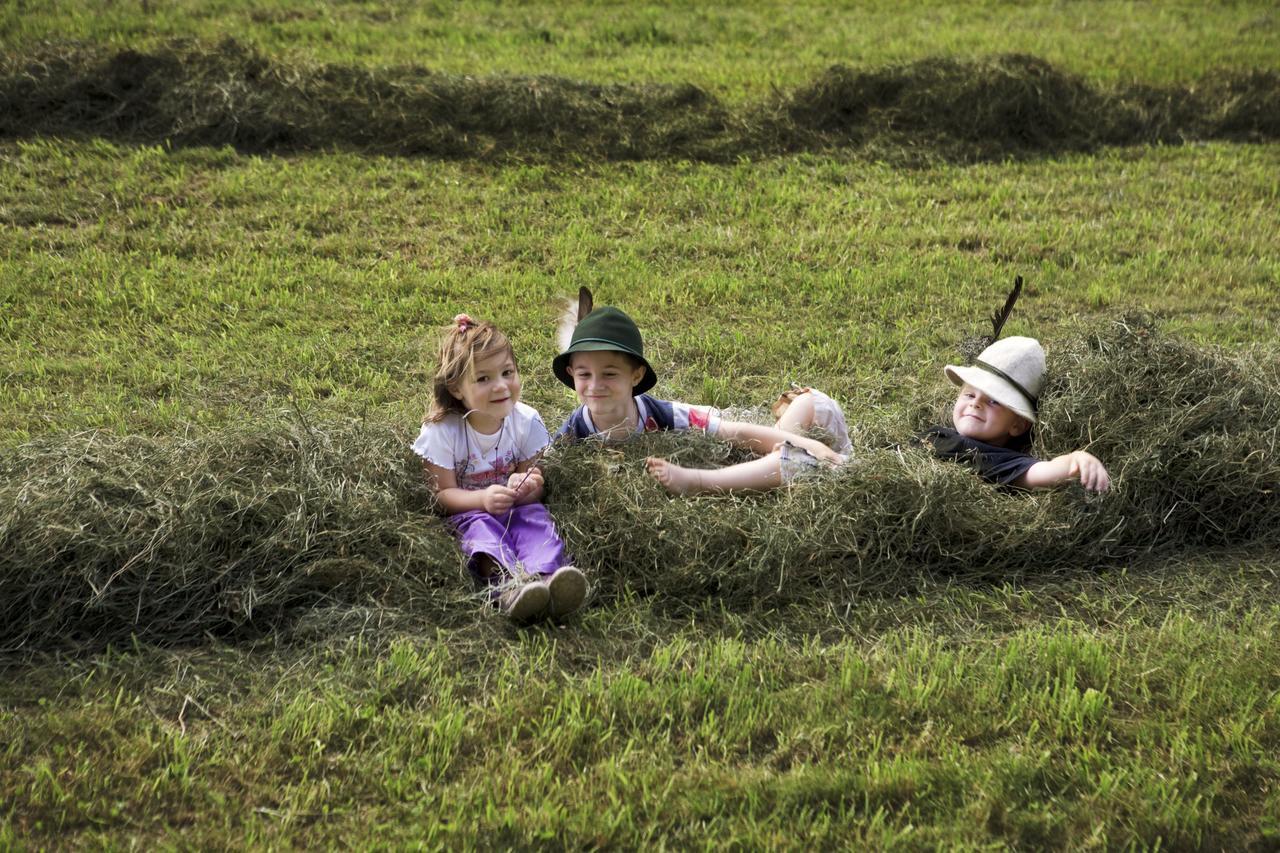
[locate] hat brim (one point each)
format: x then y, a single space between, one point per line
1001 390
560 364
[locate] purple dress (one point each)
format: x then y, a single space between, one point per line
521 540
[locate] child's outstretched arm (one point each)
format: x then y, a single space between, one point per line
494 500
1077 465
763 439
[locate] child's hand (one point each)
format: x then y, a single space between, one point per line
1090 471
498 499
525 482
815 448
826 454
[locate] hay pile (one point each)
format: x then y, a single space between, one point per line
1017 104
187 93
102 536
1191 436
190 94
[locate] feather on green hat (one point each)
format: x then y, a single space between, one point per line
605 329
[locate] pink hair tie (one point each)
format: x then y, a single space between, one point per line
464 322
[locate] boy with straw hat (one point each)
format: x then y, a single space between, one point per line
993 417
991 431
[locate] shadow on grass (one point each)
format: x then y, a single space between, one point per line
1009 106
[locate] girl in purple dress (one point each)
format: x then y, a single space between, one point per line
479 446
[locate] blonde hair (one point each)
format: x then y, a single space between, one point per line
463 343
785 399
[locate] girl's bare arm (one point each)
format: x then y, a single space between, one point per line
495 499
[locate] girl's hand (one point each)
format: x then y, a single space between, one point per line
498 499
525 482
1090 471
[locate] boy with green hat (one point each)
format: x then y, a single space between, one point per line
603 361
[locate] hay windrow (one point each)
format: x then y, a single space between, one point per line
186 93
169 539
105 536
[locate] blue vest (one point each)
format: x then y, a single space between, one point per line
660 417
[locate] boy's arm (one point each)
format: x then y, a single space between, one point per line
1078 464
763 439
495 499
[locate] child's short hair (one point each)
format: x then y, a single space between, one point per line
463 343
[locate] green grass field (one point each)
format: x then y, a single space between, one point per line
737 50
179 292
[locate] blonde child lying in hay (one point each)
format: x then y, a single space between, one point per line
603 362
992 420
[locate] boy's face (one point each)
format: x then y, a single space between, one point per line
491 392
605 382
981 418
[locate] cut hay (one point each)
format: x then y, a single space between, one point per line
1015 104
187 93
103 537
1191 436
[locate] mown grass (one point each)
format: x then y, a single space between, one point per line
969 718
171 293
157 292
990 108
736 50
238 531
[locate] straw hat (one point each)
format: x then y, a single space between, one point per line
1010 371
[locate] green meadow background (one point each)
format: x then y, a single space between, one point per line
163 291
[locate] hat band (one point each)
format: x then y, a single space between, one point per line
1035 403
620 346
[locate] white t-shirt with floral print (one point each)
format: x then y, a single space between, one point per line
477 460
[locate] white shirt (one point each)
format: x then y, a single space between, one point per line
479 460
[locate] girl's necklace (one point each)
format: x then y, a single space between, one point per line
468 429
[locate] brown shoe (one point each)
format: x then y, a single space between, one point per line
568 587
525 603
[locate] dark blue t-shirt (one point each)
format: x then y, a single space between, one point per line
999 465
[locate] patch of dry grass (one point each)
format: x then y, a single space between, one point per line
105 536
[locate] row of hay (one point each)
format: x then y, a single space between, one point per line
1191 436
193 94
104 536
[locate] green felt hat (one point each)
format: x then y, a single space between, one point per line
606 329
